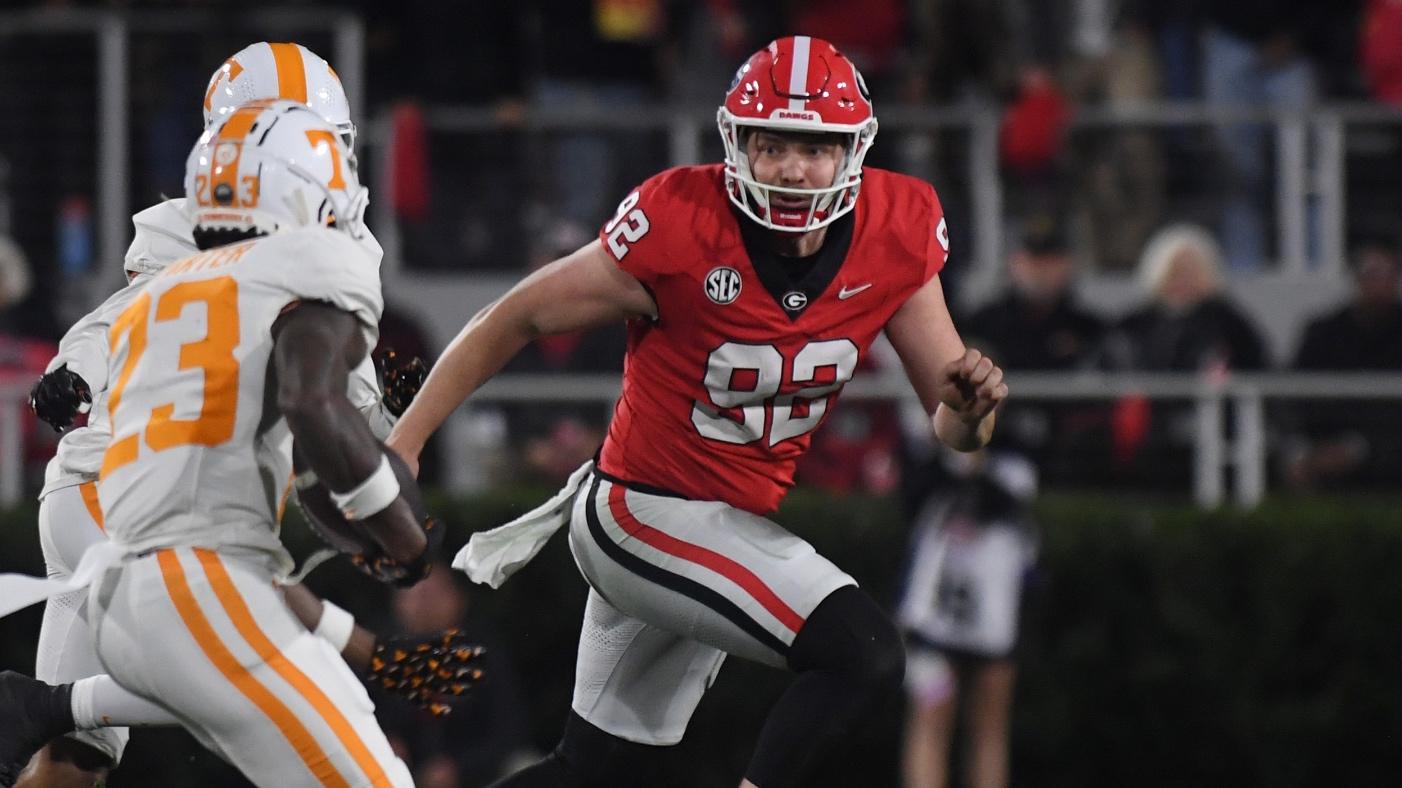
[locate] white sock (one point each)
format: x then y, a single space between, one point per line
100 702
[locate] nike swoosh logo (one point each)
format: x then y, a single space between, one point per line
844 293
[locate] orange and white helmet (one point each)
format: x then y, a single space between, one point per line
270 166
279 71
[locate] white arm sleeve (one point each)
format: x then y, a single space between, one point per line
364 394
85 347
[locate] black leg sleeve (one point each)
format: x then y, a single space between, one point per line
848 657
587 757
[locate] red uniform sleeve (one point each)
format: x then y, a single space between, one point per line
633 237
937 241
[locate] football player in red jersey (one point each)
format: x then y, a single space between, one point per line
752 289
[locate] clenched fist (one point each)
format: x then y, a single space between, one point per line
59 396
972 386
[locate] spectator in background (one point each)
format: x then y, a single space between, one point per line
1117 173
1188 325
15 284
871 33
596 55
959 51
1031 142
1352 441
973 543
1380 50
1038 326
23 313
1254 55
484 734
23 355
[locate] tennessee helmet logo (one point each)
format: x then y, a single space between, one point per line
723 285
227 73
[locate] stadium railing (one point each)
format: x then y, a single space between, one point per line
113 33
1310 161
1228 452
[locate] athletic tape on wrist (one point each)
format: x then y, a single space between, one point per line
335 626
370 496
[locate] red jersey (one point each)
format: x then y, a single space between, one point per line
749 351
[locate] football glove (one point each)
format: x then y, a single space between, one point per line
389 571
430 672
58 397
402 380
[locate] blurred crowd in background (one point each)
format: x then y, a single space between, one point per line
1183 210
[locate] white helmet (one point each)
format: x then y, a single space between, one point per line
271 166
279 71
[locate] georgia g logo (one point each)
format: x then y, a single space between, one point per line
723 284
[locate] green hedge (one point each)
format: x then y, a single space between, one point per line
1163 646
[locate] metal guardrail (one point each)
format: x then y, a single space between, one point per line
1310 178
112 30
1214 452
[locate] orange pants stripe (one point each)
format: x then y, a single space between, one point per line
228 665
89 492
239 613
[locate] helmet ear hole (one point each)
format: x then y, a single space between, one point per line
223 194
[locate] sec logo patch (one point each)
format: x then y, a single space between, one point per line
723 284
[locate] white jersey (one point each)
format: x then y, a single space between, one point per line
196 457
164 234
84 349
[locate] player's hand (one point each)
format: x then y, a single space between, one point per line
430 672
391 572
972 386
58 397
402 379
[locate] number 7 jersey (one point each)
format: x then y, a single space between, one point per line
722 392
199 454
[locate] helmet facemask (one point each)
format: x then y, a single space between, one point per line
755 199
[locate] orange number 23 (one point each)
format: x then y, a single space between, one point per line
214 355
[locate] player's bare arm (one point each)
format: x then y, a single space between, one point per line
315 346
584 290
959 387
430 671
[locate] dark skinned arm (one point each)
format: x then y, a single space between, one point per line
306 606
315 346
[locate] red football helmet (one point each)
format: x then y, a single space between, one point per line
798 83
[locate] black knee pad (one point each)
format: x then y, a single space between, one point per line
849 633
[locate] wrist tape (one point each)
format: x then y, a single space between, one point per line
335 626
370 496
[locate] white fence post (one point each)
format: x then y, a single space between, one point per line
1292 218
1249 451
11 450
1208 448
113 178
